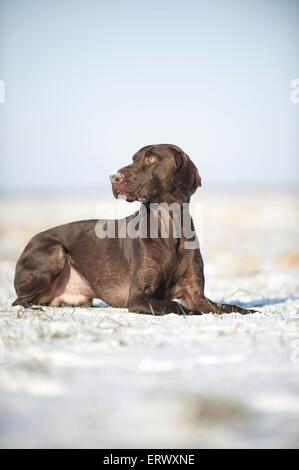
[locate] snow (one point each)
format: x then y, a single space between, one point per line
103 377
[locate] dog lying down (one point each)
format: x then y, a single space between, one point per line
142 262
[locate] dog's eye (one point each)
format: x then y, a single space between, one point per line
151 160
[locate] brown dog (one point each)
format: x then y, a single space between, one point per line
72 264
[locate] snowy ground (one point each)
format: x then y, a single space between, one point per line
108 378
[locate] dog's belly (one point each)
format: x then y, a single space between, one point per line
70 287
116 296
107 265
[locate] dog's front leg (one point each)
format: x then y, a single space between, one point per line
153 306
190 283
194 299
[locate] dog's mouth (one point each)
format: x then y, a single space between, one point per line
130 197
122 192
125 197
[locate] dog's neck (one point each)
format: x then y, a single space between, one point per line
176 197
167 220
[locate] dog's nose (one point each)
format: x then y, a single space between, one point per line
116 177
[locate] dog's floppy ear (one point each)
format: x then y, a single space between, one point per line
186 177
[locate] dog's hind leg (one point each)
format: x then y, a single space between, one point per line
40 264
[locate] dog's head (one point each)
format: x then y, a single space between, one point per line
159 173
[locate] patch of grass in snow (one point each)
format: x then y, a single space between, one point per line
217 410
36 365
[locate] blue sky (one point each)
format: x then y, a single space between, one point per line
90 82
